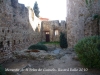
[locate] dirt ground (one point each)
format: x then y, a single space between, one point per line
66 65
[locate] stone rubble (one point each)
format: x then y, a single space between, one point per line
41 54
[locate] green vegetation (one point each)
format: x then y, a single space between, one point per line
55 42
89 5
2 70
36 9
88 1
38 46
63 41
88 51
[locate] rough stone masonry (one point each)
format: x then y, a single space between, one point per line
80 21
20 28
16 32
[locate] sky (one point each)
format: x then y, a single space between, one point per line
51 9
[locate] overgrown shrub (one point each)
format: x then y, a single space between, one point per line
38 46
63 41
88 51
2 70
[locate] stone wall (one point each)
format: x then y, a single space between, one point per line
80 22
54 28
63 26
16 30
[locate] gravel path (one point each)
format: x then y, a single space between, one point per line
63 66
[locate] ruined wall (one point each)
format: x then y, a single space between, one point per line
16 31
6 18
63 27
54 28
80 21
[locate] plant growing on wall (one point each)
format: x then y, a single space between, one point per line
89 4
63 41
36 9
89 1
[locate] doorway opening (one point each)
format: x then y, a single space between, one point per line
47 34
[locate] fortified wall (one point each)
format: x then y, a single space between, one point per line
16 28
81 21
51 30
